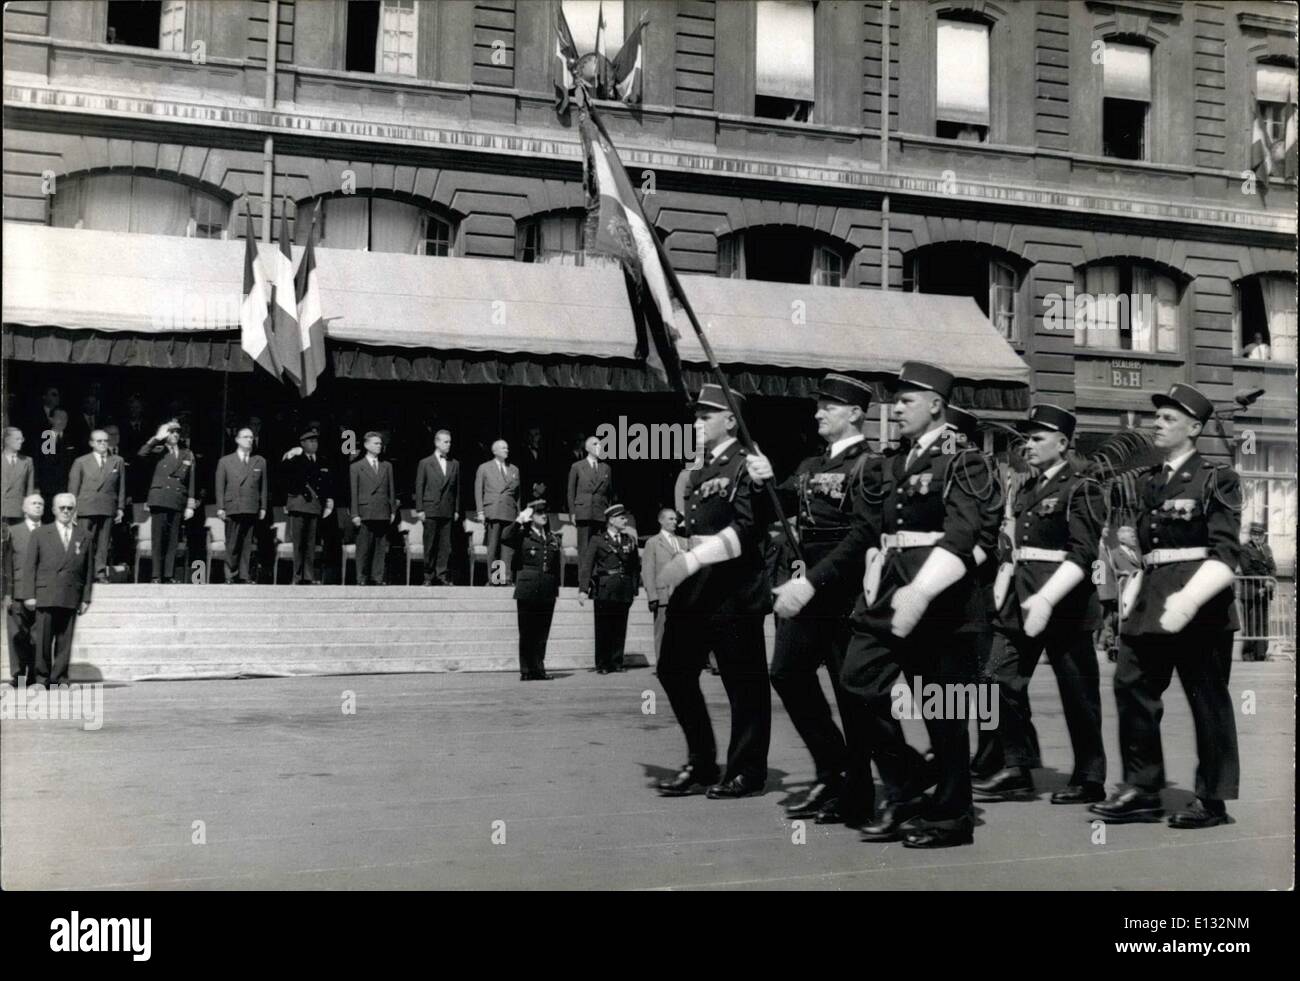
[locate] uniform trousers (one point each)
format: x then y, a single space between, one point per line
737 642
534 629
302 535
988 758
1145 668
611 633
241 532
164 536
98 527
22 644
52 634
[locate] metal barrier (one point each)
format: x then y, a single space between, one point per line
1267 611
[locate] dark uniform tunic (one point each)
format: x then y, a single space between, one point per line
536 568
310 485
1063 514
721 608
1196 506
613 574
171 491
820 491
1256 562
937 493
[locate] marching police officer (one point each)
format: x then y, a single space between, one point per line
1046 600
720 600
820 493
1180 615
609 574
310 500
171 496
536 566
924 514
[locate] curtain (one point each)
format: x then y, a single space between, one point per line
1097 309
1166 315
171 31
559 239
1280 311
395 227
159 207
784 54
962 76
345 223
1142 309
1002 298
1126 72
106 202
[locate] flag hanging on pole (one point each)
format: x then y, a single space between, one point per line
284 308
566 63
311 323
254 316
1289 152
1261 152
603 84
627 67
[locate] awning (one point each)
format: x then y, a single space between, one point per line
107 282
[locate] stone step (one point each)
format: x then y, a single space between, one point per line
243 619
126 652
498 633
365 628
137 591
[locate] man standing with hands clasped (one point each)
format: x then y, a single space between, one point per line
374 509
437 502
56 583
98 482
241 502
609 573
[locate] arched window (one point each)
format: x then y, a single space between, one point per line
782 254
1128 305
556 238
992 278
1264 317
369 223
123 201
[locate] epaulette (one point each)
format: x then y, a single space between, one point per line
1094 492
1231 501
954 473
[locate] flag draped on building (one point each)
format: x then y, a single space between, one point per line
1269 156
604 84
254 316
284 309
311 323
566 64
627 69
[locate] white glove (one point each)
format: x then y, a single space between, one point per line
979 555
681 567
793 596
759 467
1212 578
713 549
1038 608
910 602
871 576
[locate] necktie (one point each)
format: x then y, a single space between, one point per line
243 459
175 455
593 464
63 533
100 461
502 467
374 464
311 458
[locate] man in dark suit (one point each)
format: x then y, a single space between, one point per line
135 433
54 456
170 496
19 477
309 502
56 583
537 558
496 498
609 573
437 503
98 482
591 491
22 621
84 423
241 499
374 509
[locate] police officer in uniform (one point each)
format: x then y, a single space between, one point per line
922 521
310 501
1046 600
1178 613
171 496
609 574
1258 566
536 566
721 596
820 493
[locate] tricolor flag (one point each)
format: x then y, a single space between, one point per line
566 63
1289 149
311 324
1261 151
628 69
254 317
603 83
617 226
284 308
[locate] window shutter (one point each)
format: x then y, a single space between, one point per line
1275 84
1127 72
397 38
171 26
784 50
962 76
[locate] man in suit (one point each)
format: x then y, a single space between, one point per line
53 459
241 498
309 501
19 477
496 499
169 497
591 491
609 572
1179 613
659 551
1260 570
21 620
98 482
537 562
57 583
374 509
437 502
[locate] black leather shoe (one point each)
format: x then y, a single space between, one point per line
1129 806
543 676
939 834
601 671
1080 793
846 810
1012 783
822 795
737 786
687 781
1200 815
888 827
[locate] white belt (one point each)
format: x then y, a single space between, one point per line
1163 556
910 539
1038 555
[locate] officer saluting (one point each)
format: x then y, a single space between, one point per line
1046 601
820 490
310 500
536 567
171 496
1178 612
610 574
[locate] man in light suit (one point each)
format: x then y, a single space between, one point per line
19 477
242 494
22 621
98 482
437 502
591 491
659 551
496 498
374 509
56 584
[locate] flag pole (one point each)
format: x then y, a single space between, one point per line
675 285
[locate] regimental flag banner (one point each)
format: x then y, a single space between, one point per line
284 308
617 226
628 70
254 315
311 323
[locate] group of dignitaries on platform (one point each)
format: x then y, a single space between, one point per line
899 578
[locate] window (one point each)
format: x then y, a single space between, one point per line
126 202
381 36
147 24
1268 486
962 81
1127 100
779 254
1264 317
372 224
1127 306
1275 89
558 238
583 17
963 269
783 78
